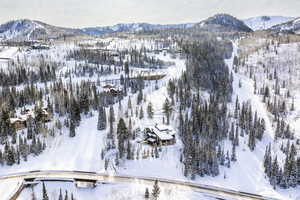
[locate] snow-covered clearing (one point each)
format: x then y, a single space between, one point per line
5 54
65 153
113 191
9 187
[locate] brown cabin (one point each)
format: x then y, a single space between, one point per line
112 89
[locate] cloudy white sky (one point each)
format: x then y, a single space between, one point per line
84 13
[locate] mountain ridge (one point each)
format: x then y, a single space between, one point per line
26 29
292 26
265 22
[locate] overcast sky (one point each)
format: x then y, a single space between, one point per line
85 13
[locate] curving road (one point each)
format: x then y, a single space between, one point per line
63 175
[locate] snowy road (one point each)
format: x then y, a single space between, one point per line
211 190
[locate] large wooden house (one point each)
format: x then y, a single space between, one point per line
19 122
159 135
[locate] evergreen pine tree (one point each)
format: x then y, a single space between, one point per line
146 193
101 119
122 134
167 109
155 190
141 115
66 195
60 197
45 195
150 110
72 132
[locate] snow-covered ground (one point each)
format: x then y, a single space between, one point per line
112 191
9 187
253 171
83 152
7 53
65 153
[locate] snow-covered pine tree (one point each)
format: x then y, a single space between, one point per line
44 190
150 110
72 132
155 191
167 109
66 195
101 118
60 197
147 193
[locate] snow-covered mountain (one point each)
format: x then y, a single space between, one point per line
30 29
224 22
132 27
290 26
25 29
265 22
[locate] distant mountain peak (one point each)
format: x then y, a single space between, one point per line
227 21
26 29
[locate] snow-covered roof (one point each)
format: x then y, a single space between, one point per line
108 86
162 135
163 127
15 119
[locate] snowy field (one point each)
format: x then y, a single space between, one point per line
112 191
9 187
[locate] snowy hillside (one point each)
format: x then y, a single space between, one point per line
265 22
25 29
19 28
290 26
227 21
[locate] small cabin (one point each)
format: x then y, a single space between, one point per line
160 135
85 183
112 89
